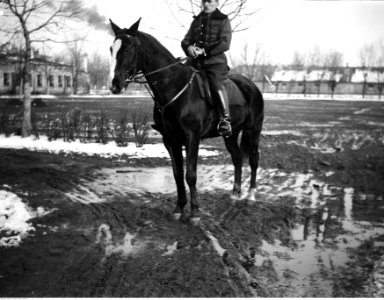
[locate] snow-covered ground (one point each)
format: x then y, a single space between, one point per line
14 218
268 95
107 150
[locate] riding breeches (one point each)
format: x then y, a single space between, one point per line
216 74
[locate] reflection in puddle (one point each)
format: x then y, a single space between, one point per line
319 251
125 248
336 221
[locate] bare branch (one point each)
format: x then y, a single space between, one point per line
237 10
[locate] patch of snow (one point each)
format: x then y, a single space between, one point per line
104 150
14 217
281 132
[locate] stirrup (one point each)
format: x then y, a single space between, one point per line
224 128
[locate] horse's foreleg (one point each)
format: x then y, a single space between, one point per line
254 164
175 151
192 150
237 160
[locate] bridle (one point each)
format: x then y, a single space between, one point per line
138 75
135 75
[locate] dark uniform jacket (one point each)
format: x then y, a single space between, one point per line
214 36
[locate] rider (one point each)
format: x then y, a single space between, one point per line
208 37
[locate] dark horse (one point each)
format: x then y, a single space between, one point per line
183 115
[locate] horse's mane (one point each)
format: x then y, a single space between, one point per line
153 40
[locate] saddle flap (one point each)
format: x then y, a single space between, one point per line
204 88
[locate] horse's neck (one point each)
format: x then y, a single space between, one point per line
155 57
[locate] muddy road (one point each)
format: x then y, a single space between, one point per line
317 229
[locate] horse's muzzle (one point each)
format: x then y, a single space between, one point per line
115 87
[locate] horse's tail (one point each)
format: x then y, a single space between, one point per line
250 138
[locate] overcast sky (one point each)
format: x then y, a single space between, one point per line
280 26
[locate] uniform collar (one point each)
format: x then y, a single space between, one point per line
217 14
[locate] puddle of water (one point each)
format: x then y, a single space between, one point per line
340 219
148 180
125 248
318 254
281 132
362 111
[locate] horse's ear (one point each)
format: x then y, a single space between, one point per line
134 28
116 29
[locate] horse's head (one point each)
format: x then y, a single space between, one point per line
124 56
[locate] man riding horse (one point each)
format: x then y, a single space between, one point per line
206 41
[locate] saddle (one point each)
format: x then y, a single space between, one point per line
204 87
207 95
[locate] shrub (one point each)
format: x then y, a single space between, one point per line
122 130
140 125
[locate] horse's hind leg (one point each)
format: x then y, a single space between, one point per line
250 140
237 160
175 151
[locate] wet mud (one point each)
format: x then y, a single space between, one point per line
316 230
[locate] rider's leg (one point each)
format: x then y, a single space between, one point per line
217 73
224 126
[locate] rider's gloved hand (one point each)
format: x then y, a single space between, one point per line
199 51
195 51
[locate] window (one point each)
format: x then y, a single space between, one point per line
7 79
51 81
68 81
60 78
39 80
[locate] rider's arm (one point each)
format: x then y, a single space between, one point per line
188 40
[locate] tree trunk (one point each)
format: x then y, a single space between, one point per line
27 124
364 88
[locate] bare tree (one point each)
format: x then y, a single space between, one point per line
315 57
76 58
298 60
249 61
238 11
371 57
367 55
332 61
36 21
315 60
98 70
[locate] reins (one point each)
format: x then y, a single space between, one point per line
140 74
136 79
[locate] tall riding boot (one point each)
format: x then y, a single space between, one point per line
224 126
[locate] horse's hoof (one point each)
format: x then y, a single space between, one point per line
195 221
176 216
251 195
235 197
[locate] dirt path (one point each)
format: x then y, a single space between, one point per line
316 231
